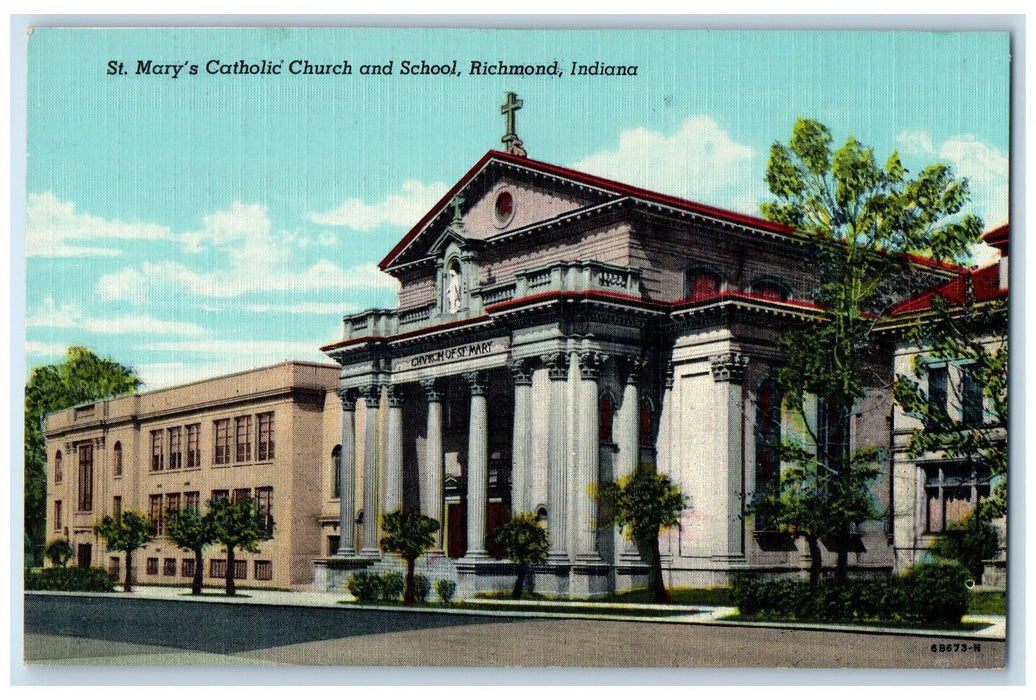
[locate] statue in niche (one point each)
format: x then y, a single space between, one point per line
453 288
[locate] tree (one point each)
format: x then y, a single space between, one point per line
126 532
523 541
237 525
190 529
973 338
643 503
408 534
81 376
862 226
59 551
970 541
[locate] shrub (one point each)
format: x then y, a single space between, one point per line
937 592
970 542
392 586
93 580
421 588
58 551
365 586
445 590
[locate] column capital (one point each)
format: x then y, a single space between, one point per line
477 381
635 366
557 365
371 394
395 395
521 371
348 399
590 362
432 389
728 366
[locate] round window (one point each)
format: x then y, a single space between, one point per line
504 208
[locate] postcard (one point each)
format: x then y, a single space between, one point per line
544 348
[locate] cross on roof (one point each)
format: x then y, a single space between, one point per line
512 144
456 202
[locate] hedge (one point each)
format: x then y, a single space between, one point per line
93 580
930 592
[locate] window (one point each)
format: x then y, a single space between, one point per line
192 500
57 515
243 438
187 568
172 502
157 455
175 448
263 570
220 495
645 422
217 568
222 442
117 459
971 399
242 495
114 568
701 284
938 396
767 435
155 513
264 506
193 448
59 473
771 289
605 413
336 472
264 449
86 477
117 506
169 567
240 569
152 566
951 492
832 433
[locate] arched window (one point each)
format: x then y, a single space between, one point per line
117 459
541 514
336 471
701 284
771 288
605 415
59 472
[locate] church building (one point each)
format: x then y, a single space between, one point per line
555 330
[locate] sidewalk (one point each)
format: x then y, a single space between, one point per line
700 615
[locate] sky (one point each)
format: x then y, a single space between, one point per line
194 225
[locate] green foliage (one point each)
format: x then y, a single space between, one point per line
392 585
861 224
929 593
82 376
408 533
93 580
127 532
190 529
58 551
523 539
969 542
365 586
237 525
973 338
445 590
422 586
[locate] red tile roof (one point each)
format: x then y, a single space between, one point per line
987 288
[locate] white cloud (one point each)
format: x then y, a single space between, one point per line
35 348
985 167
51 315
305 307
700 161
401 208
54 229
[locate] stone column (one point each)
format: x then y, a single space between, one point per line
432 491
522 436
347 477
557 468
478 467
588 453
394 449
627 436
729 368
371 515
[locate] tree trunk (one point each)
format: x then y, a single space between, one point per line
196 581
661 595
408 588
519 583
815 562
231 587
128 586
